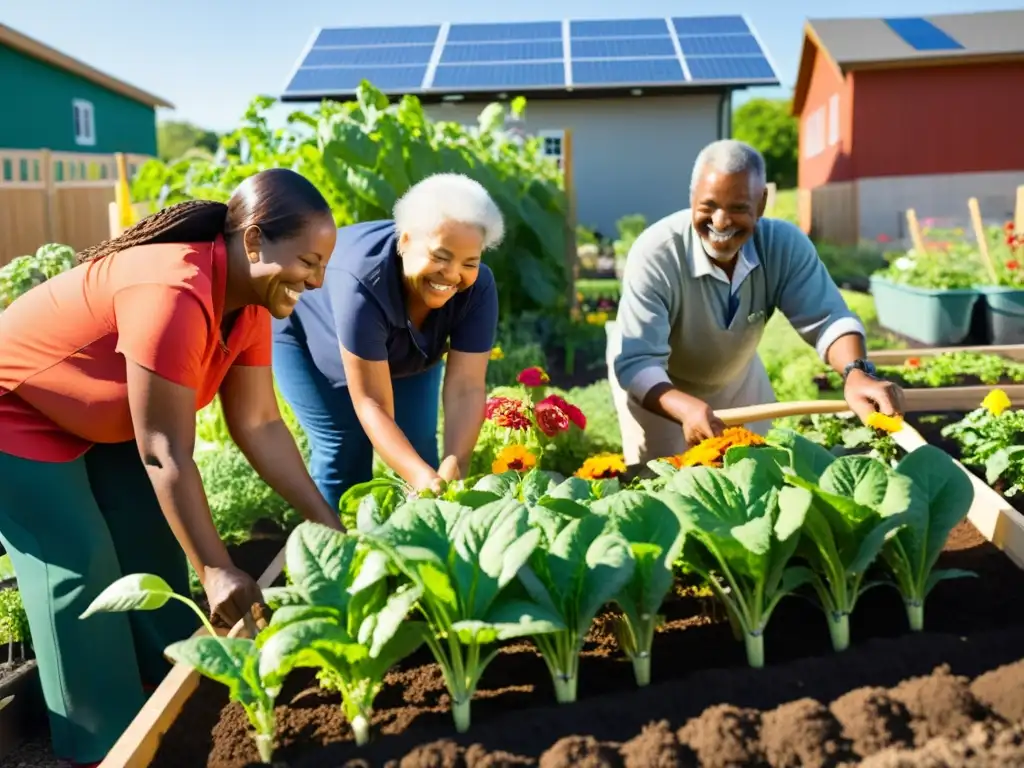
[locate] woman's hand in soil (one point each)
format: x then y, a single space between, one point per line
232 593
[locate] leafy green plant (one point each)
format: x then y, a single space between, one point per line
858 504
581 564
994 441
741 531
234 662
463 561
338 616
14 629
655 538
26 272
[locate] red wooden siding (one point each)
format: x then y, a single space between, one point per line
931 120
831 161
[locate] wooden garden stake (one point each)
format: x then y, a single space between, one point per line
915 232
979 233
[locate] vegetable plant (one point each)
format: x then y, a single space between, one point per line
338 616
463 559
992 437
14 629
655 538
231 661
582 564
740 532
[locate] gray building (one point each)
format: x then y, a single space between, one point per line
640 96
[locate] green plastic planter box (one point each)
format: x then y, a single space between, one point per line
934 317
1004 314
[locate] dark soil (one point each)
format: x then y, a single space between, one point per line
808 707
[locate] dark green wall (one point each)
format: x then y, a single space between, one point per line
37 113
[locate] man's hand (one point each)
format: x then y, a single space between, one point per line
699 421
449 469
866 394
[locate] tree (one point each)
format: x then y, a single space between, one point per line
768 126
174 138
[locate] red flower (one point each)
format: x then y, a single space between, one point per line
1008 227
575 414
508 413
913 362
550 418
533 377
1013 264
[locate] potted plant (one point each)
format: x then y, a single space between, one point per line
1004 300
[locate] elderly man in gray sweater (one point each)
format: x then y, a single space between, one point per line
698 288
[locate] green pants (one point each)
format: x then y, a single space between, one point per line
71 530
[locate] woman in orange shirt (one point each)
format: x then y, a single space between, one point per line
102 370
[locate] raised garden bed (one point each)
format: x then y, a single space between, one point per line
830 708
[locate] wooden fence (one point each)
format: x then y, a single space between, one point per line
56 197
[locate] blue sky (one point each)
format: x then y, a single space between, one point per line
209 57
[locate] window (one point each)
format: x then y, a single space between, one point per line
814 133
833 120
85 122
551 145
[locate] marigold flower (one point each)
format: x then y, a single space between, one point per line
603 466
913 362
996 402
533 377
507 412
497 354
710 452
576 416
879 420
550 418
513 458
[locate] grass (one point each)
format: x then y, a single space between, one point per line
786 206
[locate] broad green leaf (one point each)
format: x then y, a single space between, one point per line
310 643
502 486
536 484
945 574
221 659
807 459
135 592
378 628
572 488
319 559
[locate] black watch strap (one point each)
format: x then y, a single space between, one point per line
860 365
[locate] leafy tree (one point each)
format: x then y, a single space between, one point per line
768 126
175 138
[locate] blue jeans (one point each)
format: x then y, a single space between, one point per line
341 453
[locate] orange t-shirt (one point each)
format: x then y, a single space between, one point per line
63 345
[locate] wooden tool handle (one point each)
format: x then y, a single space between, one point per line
750 413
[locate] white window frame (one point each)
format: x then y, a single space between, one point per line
552 134
814 133
833 120
83 122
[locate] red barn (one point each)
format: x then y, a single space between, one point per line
919 113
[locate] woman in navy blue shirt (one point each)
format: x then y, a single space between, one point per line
360 360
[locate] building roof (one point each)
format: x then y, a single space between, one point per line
893 43
30 47
540 59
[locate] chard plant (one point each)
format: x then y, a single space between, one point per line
231 661
581 564
463 559
858 504
942 497
740 532
338 616
655 539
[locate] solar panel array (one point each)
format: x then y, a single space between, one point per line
536 55
921 35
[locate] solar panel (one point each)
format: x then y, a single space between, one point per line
922 35
487 76
729 68
525 56
526 30
496 52
626 72
617 28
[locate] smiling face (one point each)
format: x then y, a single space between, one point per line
726 207
280 270
442 263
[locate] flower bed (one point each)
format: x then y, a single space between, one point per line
514 709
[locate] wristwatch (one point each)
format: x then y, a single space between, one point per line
861 365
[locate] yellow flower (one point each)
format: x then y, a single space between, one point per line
710 452
878 420
602 466
597 318
996 402
497 354
513 458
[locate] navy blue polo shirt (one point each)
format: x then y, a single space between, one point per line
362 307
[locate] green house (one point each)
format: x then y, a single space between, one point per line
52 101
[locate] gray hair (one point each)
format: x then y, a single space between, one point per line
449 197
729 156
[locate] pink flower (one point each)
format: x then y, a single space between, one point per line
507 412
550 418
574 414
533 377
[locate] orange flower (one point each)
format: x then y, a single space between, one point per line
513 458
602 467
913 362
710 452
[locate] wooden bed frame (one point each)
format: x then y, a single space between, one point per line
990 513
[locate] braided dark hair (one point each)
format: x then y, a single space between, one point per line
279 201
